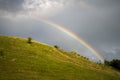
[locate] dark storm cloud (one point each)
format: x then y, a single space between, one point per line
109 20
96 21
109 28
11 5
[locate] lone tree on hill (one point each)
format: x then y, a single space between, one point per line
29 40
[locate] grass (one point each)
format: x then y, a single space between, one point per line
37 61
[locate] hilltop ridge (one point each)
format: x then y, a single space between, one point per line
39 61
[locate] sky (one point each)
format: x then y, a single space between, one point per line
95 21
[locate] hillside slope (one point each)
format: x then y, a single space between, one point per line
37 61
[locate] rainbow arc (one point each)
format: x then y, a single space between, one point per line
78 38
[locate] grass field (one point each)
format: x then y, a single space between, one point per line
20 60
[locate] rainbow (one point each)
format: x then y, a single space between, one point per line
83 42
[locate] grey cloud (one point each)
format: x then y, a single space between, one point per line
98 25
96 21
111 52
103 3
15 6
11 5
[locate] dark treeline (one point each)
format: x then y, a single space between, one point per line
115 63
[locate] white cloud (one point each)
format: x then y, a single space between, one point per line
43 8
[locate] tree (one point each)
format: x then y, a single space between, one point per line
29 40
107 63
115 63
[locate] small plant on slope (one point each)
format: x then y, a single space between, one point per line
29 40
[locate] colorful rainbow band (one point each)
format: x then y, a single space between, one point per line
83 42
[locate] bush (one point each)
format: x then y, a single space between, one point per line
56 46
29 40
73 52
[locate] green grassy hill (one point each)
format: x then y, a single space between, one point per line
20 60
